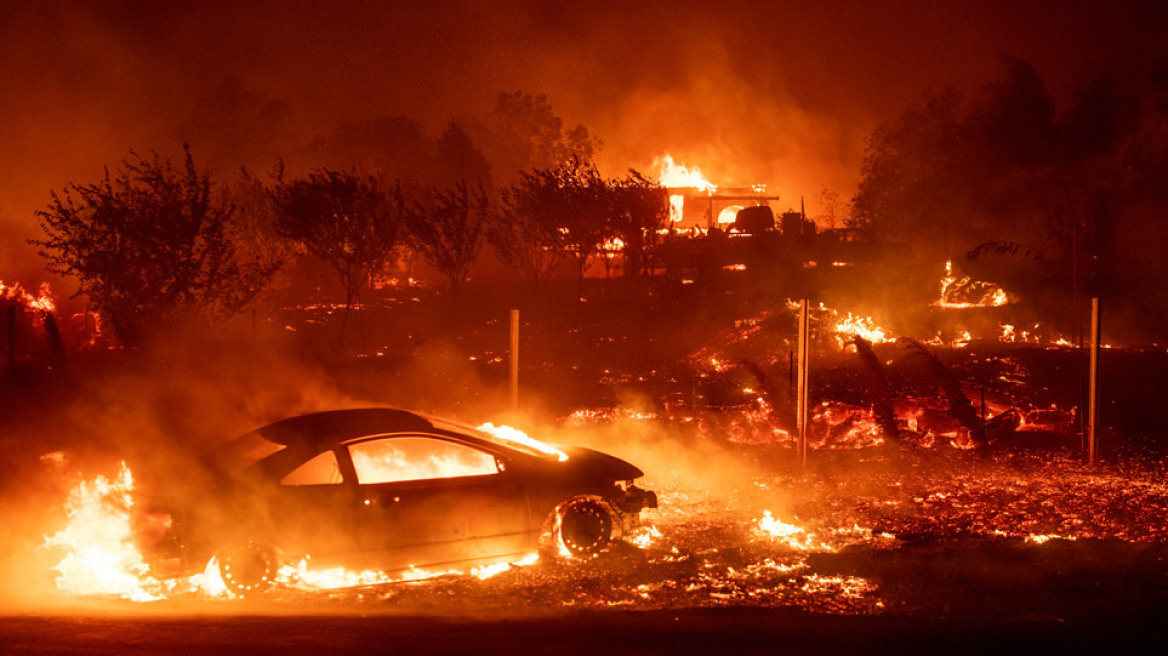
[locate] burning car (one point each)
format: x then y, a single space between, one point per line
389 489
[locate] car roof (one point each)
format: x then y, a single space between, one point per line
322 430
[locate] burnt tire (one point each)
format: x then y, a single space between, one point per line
581 527
248 569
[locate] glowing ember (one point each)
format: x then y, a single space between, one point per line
840 587
516 436
1044 538
840 426
961 292
102 557
305 578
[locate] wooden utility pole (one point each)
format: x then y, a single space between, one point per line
514 360
801 406
1093 384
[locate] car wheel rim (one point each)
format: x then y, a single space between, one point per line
585 528
248 569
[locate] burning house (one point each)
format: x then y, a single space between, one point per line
710 207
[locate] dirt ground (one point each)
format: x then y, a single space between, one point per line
722 631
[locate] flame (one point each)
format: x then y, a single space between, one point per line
789 534
643 537
676 208
102 557
846 326
42 302
487 571
303 577
864 327
509 434
673 175
1011 335
395 460
961 292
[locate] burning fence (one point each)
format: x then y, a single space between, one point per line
25 315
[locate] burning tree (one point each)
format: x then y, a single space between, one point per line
638 208
345 219
150 245
449 227
524 233
551 210
571 208
573 198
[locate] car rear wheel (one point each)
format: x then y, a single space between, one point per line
580 527
248 569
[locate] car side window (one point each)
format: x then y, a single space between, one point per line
396 459
322 469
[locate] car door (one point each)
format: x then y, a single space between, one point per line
313 510
426 499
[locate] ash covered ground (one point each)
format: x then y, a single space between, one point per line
914 543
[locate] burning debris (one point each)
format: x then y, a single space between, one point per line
963 292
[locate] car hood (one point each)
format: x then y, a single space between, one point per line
588 463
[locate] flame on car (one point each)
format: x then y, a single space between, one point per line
102 555
516 436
